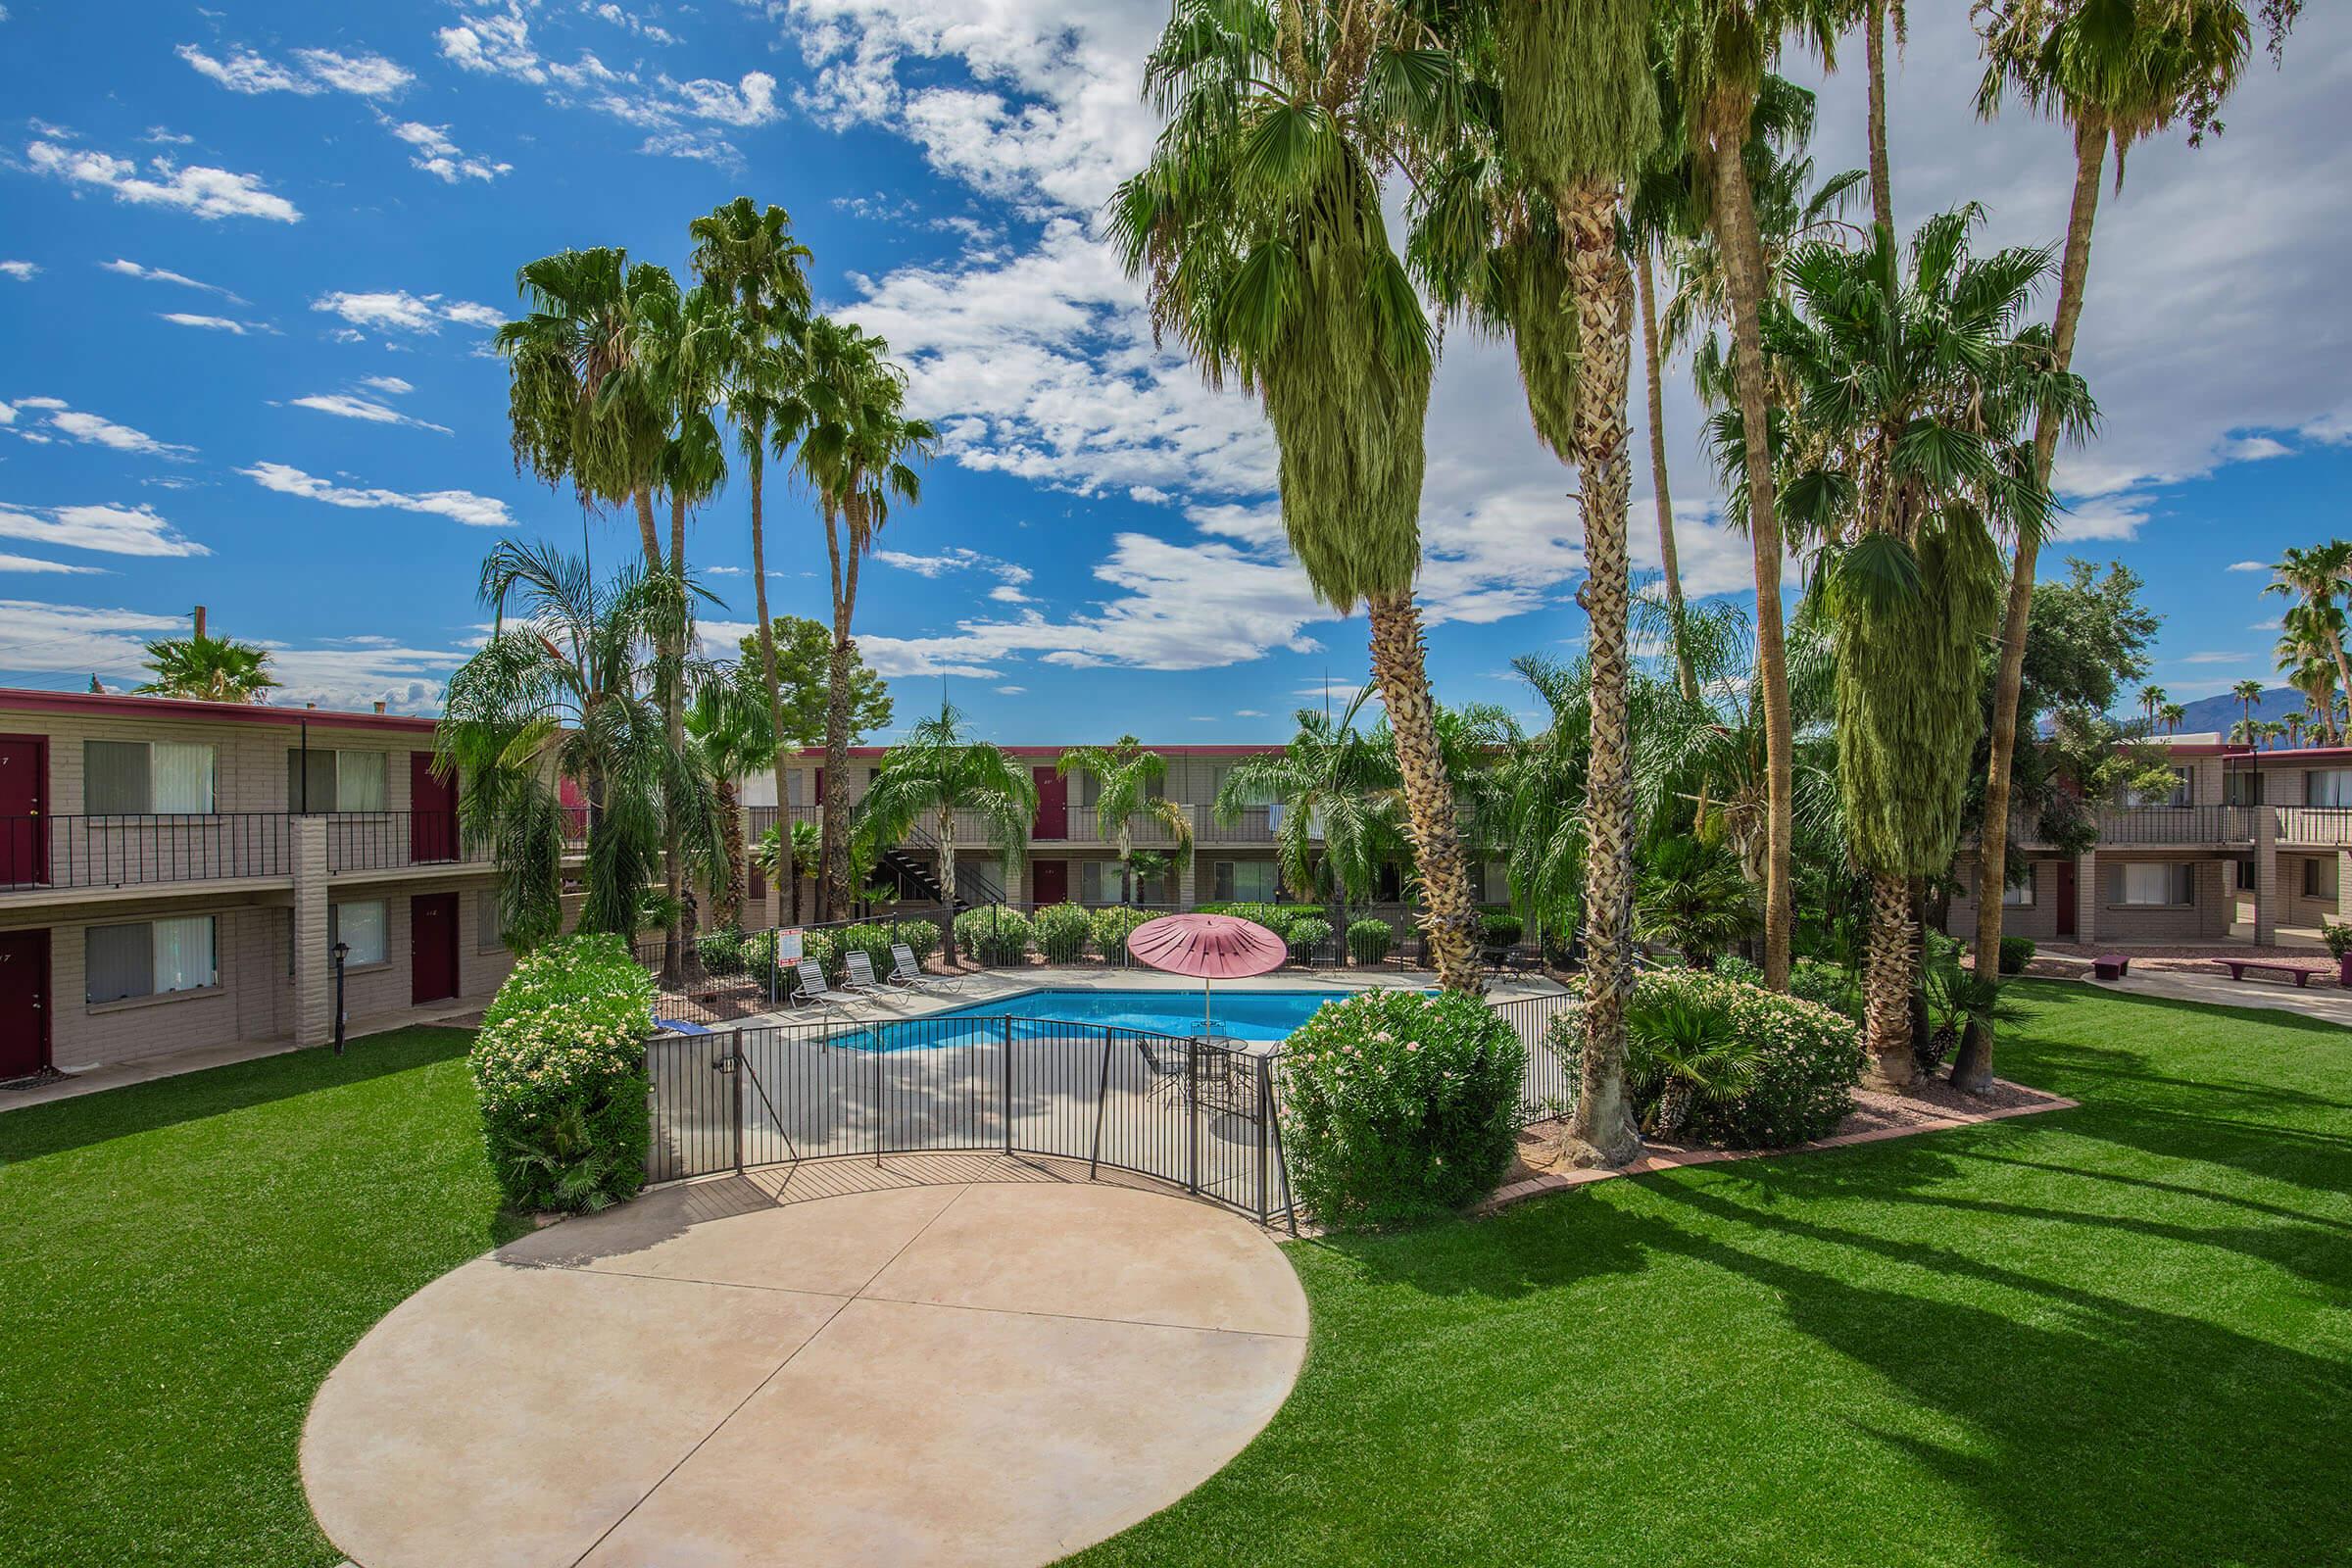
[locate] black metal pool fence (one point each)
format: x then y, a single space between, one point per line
1200 1114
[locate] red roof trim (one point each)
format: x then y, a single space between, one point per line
108 705
817 753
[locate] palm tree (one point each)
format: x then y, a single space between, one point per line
2173 715
857 447
208 669
1341 800
1690 1050
1694 899
1258 226
2151 699
1876 14
786 868
2294 722
728 725
1919 388
2309 672
2317 580
564 692
2115 71
747 254
1719 53
2249 697
1124 774
936 771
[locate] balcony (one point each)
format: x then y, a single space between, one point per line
1254 825
136 851
393 841
2164 826
2315 826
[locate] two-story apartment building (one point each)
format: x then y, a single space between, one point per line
2248 845
175 875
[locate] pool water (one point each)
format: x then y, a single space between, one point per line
1240 1015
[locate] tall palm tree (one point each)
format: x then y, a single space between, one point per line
2152 697
2115 71
728 725
1876 16
1343 812
1258 226
856 445
747 254
564 692
2249 697
1919 385
1124 773
2317 580
208 669
2173 715
936 771
1719 53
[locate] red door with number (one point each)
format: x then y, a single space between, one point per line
23 810
1053 805
24 1002
432 812
1050 882
432 946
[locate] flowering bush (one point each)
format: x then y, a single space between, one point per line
1399 1105
1062 932
1111 926
992 934
1369 941
559 1071
1807 1061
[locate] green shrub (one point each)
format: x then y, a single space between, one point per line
870 937
721 952
1831 985
2338 939
995 934
1369 941
2015 954
1307 933
1400 1105
1499 928
1731 966
1807 1060
1109 927
1061 931
559 1071
920 935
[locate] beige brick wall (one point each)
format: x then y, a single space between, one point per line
2038 920
2207 916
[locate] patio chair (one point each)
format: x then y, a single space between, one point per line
908 972
1164 1072
814 992
862 981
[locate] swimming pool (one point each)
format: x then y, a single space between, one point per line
1241 1014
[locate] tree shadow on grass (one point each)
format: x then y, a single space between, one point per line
31 1132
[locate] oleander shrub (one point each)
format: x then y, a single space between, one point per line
558 1072
1109 927
1400 1105
1731 966
2015 954
721 952
994 934
1807 1060
1306 935
1061 931
1370 941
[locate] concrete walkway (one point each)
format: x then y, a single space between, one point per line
990 1373
2321 998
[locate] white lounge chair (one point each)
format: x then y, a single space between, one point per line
862 981
906 973
812 990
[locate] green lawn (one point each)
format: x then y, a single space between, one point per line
2111 1335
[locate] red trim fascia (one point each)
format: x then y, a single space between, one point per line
817 753
17 700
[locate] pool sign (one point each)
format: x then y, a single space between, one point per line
788 947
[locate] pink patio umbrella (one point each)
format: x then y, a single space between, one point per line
1208 948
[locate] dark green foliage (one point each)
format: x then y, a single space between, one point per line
1109 927
1307 933
1831 985
1499 928
721 952
1370 941
2015 954
1578 99
1400 1105
992 934
804 649
1061 931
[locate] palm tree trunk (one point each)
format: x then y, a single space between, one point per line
1881 198
731 878
1734 221
833 841
767 669
1972 1065
1600 1129
1886 982
1451 920
1668 562
947 860
646 532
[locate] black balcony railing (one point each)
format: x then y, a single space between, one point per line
133 851
2151 825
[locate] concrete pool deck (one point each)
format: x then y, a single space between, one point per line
993 1373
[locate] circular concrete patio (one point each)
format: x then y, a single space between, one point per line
969 1374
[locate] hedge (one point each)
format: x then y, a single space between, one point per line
1061 931
1371 941
1111 926
994 934
558 1072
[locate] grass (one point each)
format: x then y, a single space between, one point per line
185 1261
2113 1335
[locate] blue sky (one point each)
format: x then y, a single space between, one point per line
249 255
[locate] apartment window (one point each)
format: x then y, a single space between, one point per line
2241 875
134 778
2243 787
2328 786
2177 794
363 925
152 959
485 923
2319 876
319 781
1092 879
2153 884
1244 881
2019 895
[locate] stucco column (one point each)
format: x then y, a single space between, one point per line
2343 885
2267 888
314 965
2086 898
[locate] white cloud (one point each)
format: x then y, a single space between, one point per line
643 28
399 311
462 506
441 157
22 272
370 75
205 192
248 73
113 530
31 564
2212 659
164 136
161 274
1012 691
209 323
749 102
2248 565
498 44
391 384
351 405
1011 578
93 430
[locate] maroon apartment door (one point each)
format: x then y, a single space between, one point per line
2066 898
432 812
1049 881
1053 805
23 810
24 1002
432 946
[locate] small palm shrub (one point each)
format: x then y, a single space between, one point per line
1694 898
1109 928
1681 1050
1370 941
2015 954
1807 1061
1400 1105
558 1072
1061 931
993 935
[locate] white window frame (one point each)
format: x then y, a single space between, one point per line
2019 895
336 923
2327 788
2177 874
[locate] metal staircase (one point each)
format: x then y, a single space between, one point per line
914 860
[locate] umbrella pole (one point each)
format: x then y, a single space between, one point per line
1206 986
